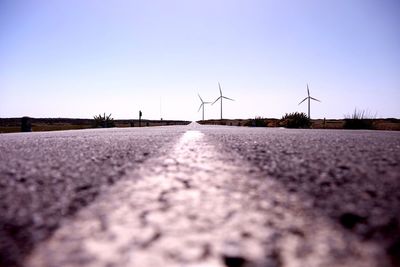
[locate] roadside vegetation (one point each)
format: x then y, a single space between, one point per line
256 122
295 120
103 121
360 119
390 124
13 125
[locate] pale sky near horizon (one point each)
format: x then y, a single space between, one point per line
79 58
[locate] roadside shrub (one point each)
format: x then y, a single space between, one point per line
360 119
256 122
272 122
103 121
295 120
393 120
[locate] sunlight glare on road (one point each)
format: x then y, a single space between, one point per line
191 135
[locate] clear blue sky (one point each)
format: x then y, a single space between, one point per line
78 58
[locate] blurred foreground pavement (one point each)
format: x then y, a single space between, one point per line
200 196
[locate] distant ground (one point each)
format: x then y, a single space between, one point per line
10 125
391 124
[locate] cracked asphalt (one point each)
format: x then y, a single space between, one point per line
200 196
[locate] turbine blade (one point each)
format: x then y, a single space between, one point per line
200 107
308 90
220 91
303 100
200 98
215 100
315 99
228 98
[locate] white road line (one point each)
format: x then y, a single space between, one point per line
198 207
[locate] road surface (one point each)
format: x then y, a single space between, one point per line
200 196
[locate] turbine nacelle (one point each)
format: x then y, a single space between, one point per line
202 105
221 96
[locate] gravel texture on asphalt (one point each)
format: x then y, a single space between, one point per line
47 176
200 196
349 177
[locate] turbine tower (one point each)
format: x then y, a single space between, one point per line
309 100
202 105
221 97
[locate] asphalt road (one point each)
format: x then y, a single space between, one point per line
200 196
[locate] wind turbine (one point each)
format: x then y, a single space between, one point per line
202 105
221 97
309 100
